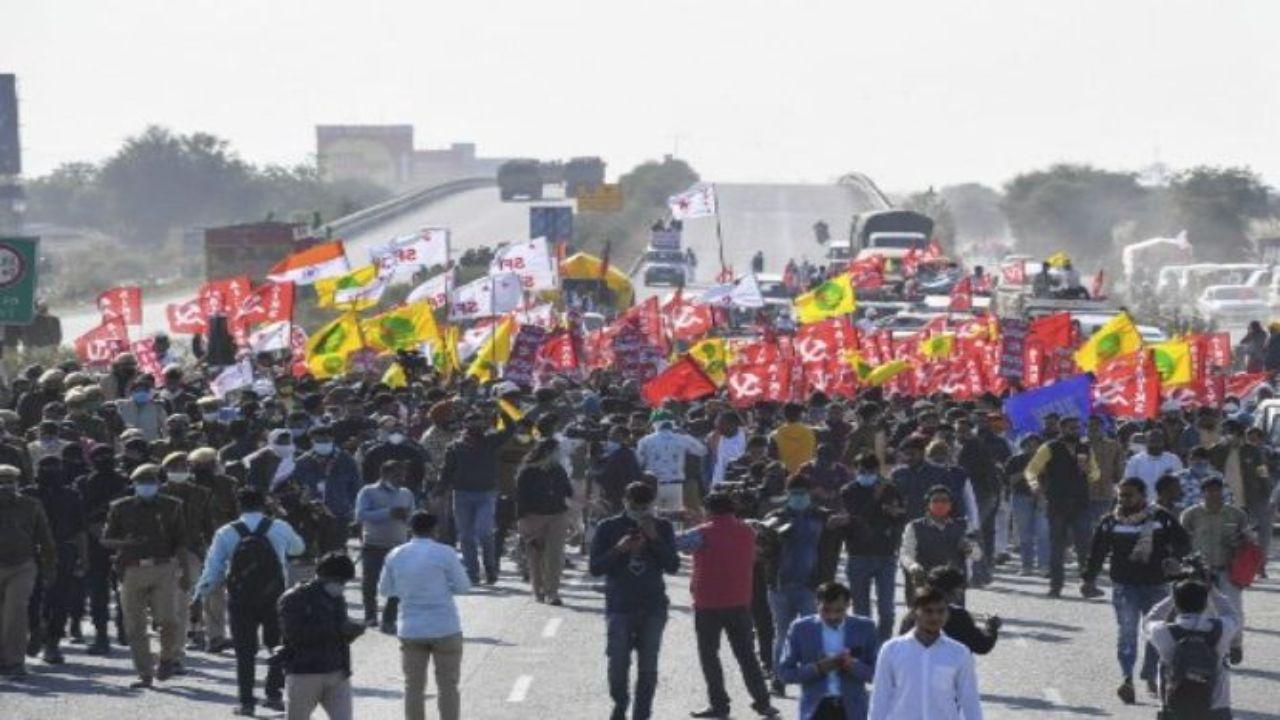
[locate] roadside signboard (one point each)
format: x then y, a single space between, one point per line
604 199
18 280
553 222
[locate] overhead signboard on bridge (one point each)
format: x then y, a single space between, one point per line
553 222
603 199
18 280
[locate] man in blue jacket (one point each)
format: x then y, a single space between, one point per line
832 656
329 473
633 550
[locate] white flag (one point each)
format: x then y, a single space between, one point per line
404 255
271 337
698 201
435 291
531 260
233 378
743 292
491 295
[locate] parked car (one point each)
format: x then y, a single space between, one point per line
665 267
1231 305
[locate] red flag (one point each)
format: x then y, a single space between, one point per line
186 318
867 273
685 320
122 302
148 360
267 303
558 353
298 351
761 382
821 341
933 251
911 262
645 317
1052 331
101 345
962 295
224 296
1128 387
682 381
1240 385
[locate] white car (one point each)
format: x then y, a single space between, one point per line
1233 304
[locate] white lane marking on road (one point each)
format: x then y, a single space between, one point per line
1053 696
1021 642
552 627
520 690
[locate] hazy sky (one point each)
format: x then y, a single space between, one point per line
910 92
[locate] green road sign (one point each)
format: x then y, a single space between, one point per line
17 280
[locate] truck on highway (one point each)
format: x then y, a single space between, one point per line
891 234
520 178
582 173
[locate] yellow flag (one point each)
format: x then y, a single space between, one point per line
394 377
938 347
495 351
401 328
359 289
450 363
712 355
860 366
1173 361
832 298
885 372
328 347
1118 337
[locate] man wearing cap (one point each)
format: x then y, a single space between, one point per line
57 592
140 409
1217 530
48 389
206 473
174 393
86 423
103 485
148 531
48 442
25 543
199 521
662 454
316 637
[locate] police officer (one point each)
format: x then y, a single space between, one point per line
56 592
195 505
103 485
149 532
206 472
25 541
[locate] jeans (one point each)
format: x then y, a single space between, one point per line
245 623
1073 520
788 603
99 581
1099 508
736 624
862 571
1033 531
640 633
1235 595
1262 517
1132 602
371 560
474 514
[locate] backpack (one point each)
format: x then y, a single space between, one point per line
255 578
1192 673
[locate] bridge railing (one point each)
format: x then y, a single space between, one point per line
401 204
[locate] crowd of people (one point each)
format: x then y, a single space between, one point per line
230 524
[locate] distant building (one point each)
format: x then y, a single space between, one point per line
384 155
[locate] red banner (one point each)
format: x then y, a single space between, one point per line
124 303
1128 387
102 344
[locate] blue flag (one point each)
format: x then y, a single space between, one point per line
1069 397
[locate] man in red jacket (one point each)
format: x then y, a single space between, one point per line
724 551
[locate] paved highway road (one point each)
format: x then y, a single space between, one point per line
1055 659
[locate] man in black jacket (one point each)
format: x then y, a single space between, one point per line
471 473
960 626
102 486
1061 470
1144 543
316 656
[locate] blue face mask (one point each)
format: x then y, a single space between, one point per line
146 490
323 448
798 501
610 446
867 480
142 397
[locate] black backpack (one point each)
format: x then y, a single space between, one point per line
1191 675
256 578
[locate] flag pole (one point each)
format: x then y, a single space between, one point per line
719 232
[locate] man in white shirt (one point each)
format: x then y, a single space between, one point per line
1194 607
925 675
425 575
1153 463
662 454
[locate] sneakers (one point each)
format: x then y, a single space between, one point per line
711 713
1089 590
143 683
168 669
1125 692
52 655
243 711
1237 656
101 645
555 601
274 703
777 688
217 646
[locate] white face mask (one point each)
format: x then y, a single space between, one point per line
334 589
284 451
395 438
178 475
323 448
